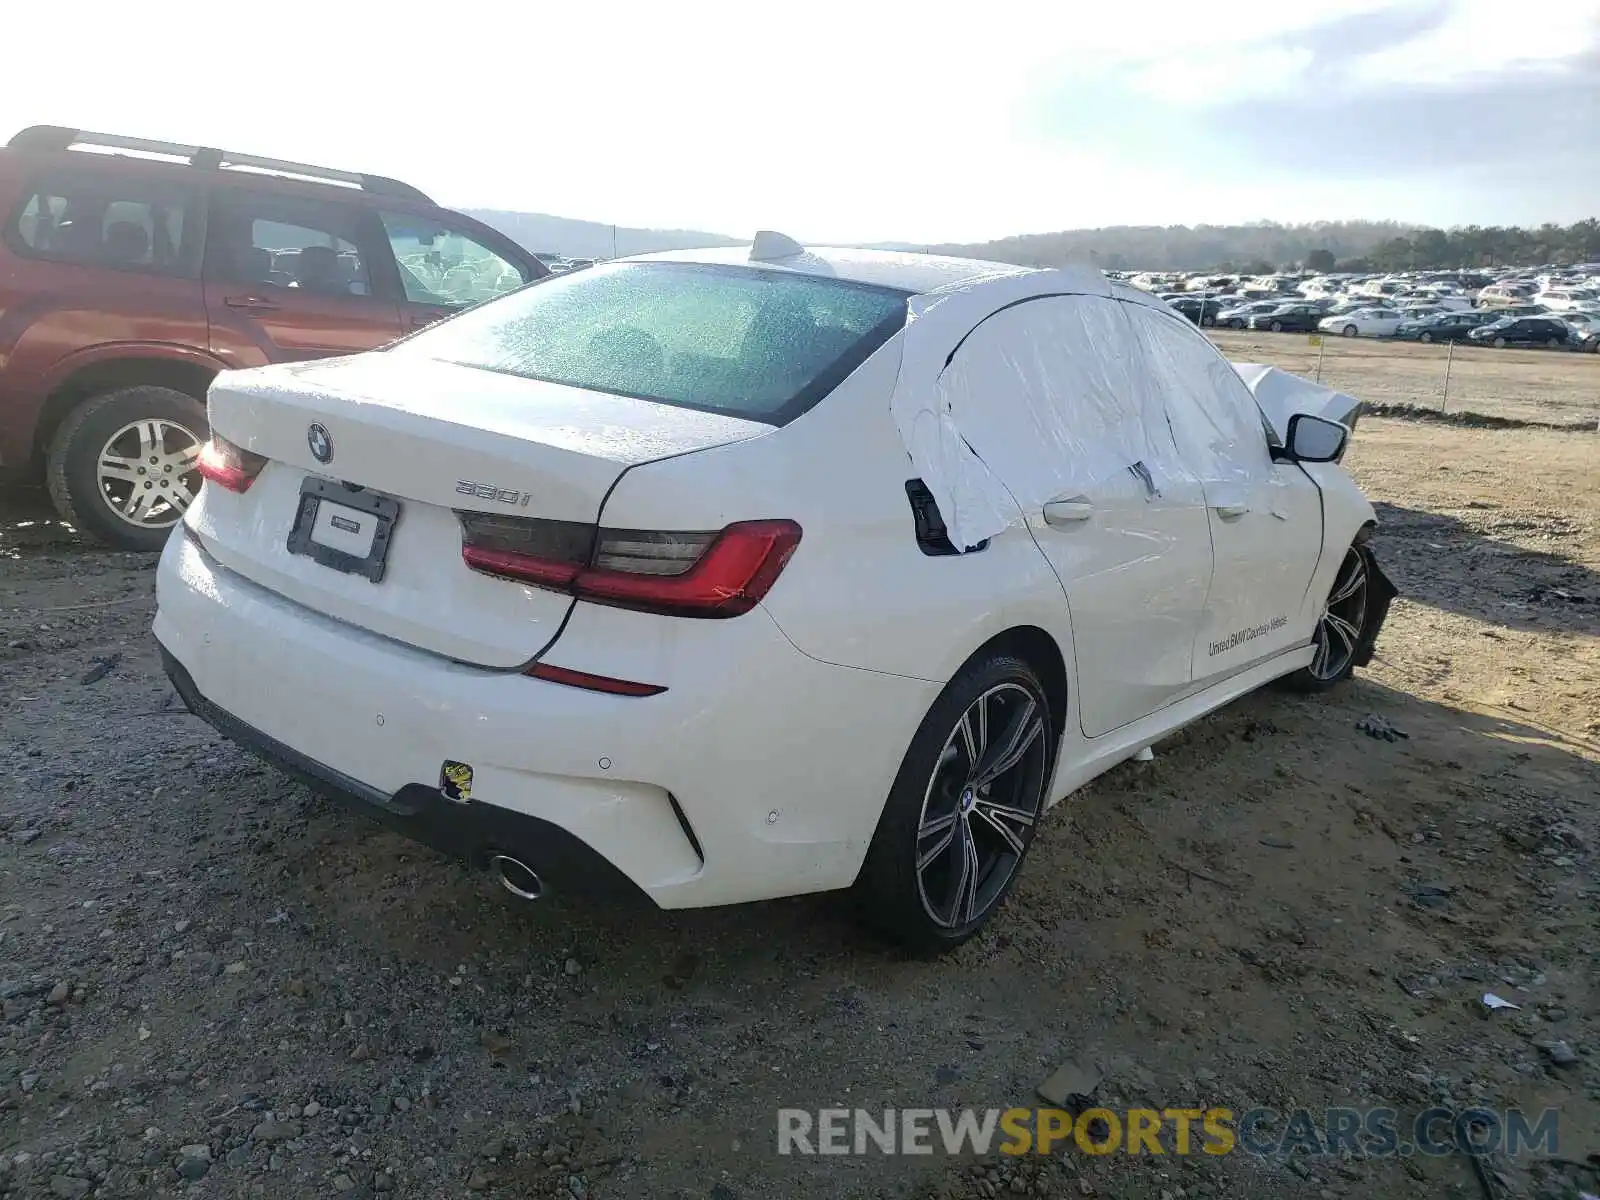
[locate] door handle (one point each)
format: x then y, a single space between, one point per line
1069 511
252 302
1231 510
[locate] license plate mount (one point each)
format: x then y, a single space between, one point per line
342 529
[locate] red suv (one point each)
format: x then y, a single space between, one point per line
129 279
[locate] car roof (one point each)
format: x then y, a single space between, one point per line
918 274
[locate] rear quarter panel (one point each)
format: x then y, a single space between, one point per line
859 592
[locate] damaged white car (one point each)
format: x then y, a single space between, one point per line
732 574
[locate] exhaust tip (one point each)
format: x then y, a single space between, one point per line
517 877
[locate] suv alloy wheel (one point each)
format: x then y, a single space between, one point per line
122 466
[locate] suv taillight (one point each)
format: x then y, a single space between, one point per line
720 574
228 465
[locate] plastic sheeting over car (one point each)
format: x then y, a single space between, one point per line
1281 395
1017 391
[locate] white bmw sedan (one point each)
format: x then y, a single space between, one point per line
1364 322
732 574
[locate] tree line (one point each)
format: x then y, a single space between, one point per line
1266 246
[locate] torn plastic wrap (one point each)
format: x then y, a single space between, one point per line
1213 415
963 350
1079 409
1280 395
1068 366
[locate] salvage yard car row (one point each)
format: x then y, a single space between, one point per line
1554 318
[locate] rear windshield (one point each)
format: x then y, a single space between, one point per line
765 345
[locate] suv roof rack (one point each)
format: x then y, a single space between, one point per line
59 137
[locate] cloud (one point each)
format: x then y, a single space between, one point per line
1331 48
1443 111
1525 124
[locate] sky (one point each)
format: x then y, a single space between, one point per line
869 119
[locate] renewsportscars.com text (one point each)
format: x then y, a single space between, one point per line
1375 1132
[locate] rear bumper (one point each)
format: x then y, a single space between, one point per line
759 773
471 832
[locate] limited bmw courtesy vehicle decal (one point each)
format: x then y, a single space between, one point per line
455 781
1240 636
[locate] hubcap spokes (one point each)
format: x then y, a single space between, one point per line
981 803
146 472
1343 618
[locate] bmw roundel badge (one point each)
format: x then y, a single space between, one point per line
321 443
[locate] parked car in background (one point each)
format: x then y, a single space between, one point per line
1289 318
1551 332
1505 294
585 561
1363 322
1199 311
1239 316
1352 304
1584 326
1442 327
1567 299
129 279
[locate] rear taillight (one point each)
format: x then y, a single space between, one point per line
719 574
228 465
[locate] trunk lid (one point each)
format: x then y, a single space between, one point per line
432 438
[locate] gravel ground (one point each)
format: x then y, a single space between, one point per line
216 985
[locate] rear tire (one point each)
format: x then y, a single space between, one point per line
120 468
1235 324
1553 344
955 830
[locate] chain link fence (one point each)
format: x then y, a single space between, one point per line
1547 387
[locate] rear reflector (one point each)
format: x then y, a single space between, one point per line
229 466
593 683
719 574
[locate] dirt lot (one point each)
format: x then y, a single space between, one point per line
1550 386
1279 910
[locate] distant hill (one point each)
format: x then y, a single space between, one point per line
1185 247
540 232
1255 248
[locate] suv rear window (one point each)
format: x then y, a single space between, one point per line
126 224
761 344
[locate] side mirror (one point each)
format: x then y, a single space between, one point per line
1314 439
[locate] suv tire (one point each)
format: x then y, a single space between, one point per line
110 509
